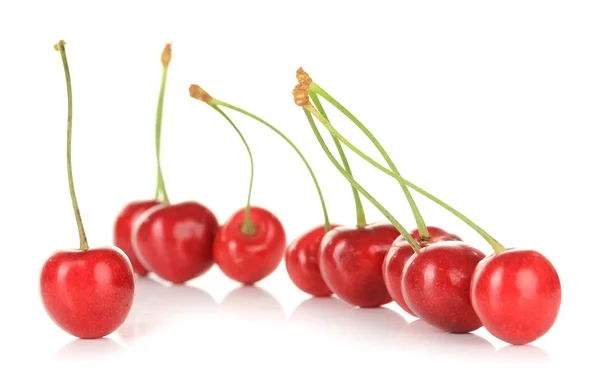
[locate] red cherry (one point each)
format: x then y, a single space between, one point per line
351 263
436 285
517 295
248 258
302 262
399 254
175 241
88 293
123 229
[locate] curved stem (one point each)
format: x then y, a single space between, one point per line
214 101
160 182
308 110
361 219
83 243
248 227
496 246
315 89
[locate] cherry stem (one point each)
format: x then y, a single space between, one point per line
248 227
83 243
198 93
327 223
361 219
314 90
308 110
496 246
160 182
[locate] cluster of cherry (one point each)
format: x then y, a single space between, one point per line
429 272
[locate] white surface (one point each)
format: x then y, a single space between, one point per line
501 99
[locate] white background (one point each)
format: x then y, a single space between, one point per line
493 106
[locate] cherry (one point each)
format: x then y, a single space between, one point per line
400 253
302 262
521 272
250 244
401 249
351 262
127 217
517 295
123 230
173 240
436 284
86 292
352 258
302 254
248 258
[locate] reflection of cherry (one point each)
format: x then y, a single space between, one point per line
418 331
462 346
176 304
90 350
87 292
522 354
379 327
321 315
251 303
146 289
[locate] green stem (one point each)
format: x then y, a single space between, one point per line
314 90
83 243
214 101
160 182
248 227
308 110
496 246
361 219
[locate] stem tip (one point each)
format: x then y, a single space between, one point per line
165 58
303 77
300 93
199 94
60 45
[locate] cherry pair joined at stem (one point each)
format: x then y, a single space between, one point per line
459 317
87 292
244 252
174 241
525 285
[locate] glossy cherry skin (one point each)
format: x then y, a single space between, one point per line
249 258
302 262
436 285
123 229
88 293
517 295
399 254
175 241
351 263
